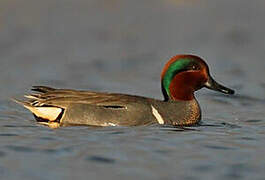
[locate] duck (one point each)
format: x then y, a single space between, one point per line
181 76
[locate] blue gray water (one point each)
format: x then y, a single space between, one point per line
121 46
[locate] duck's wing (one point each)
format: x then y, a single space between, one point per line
48 104
47 96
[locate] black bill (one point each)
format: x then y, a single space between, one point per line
213 85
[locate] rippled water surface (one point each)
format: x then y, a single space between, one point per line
121 46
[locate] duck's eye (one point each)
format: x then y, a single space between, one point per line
193 67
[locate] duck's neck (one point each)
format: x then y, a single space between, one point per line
179 113
179 89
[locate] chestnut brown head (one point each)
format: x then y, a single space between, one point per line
185 74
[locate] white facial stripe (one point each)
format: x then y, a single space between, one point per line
157 115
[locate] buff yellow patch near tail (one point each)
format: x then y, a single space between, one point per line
49 113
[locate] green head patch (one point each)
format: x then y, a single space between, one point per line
173 69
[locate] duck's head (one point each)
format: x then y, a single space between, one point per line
185 74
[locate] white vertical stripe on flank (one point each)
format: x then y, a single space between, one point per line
157 115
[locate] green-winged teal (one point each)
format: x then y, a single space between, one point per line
181 77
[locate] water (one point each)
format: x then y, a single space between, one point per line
121 46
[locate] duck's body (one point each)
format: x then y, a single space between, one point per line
62 107
72 107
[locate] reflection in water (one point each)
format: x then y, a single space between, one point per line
20 148
6 134
100 159
177 129
2 154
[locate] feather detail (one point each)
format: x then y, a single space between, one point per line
49 113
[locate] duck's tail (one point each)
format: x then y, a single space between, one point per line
45 114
